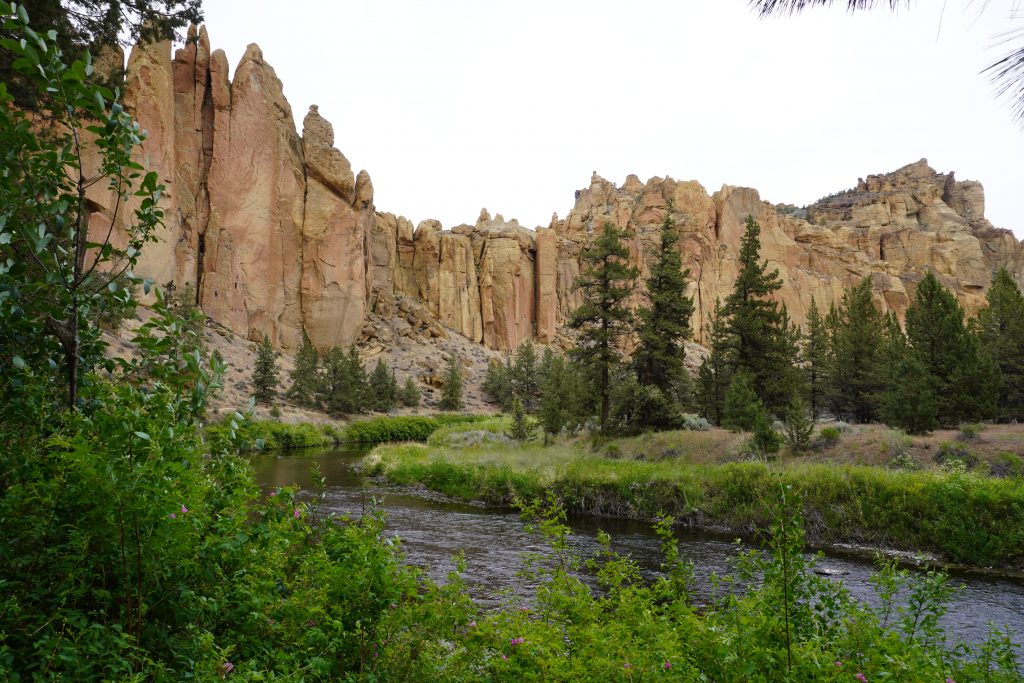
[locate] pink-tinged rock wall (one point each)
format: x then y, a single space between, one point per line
279 236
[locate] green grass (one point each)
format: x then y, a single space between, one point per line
403 427
270 435
965 518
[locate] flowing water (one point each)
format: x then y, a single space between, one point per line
433 530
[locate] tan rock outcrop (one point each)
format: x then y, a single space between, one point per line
253 262
280 236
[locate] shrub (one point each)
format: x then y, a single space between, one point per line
259 435
693 423
895 442
522 427
275 412
742 406
451 390
828 437
1007 465
640 408
402 427
955 457
903 461
410 394
969 431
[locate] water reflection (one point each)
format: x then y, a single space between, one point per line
434 531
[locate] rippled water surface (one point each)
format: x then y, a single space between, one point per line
433 530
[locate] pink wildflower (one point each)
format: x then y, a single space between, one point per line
472 624
273 493
505 657
627 666
861 677
838 663
668 665
173 516
950 680
184 509
297 513
226 668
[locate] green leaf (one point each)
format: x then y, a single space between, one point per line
19 362
142 435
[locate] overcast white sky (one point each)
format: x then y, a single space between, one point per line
456 105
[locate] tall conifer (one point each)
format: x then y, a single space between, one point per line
665 322
1001 333
604 317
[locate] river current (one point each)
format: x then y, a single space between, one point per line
433 530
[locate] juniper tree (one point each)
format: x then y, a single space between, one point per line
604 318
665 322
522 427
305 376
498 383
264 376
343 387
383 388
1001 333
909 402
525 382
742 406
451 389
558 394
410 394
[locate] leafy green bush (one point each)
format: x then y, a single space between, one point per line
950 454
828 437
269 435
969 431
403 427
1006 464
693 423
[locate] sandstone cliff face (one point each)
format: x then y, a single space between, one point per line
280 237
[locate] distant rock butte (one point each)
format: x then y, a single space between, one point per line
279 236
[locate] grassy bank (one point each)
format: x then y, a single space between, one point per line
397 428
257 435
965 518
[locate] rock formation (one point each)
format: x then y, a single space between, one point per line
279 237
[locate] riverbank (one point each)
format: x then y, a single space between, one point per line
964 518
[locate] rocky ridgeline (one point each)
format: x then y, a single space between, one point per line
279 235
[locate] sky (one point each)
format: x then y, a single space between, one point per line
456 105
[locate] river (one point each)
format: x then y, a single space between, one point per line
433 530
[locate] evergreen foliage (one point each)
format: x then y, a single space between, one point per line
765 440
522 427
664 324
451 390
383 387
742 406
525 376
714 373
760 340
498 383
799 425
963 379
604 318
817 360
264 376
343 388
640 408
410 393
857 374
909 402
1000 328
305 376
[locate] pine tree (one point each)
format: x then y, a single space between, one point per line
410 394
604 317
343 386
383 387
816 359
714 373
857 378
761 342
949 353
264 376
305 375
451 390
799 425
1001 333
525 382
742 406
909 402
555 404
665 323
